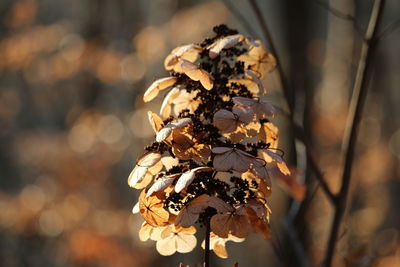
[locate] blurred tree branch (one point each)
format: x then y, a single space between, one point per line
341 15
298 129
353 120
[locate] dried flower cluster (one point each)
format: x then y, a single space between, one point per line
215 147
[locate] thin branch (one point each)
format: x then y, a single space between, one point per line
242 20
271 44
285 87
313 163
335 12
353 121
296 244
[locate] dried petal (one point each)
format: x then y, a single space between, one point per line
195 73
155 121
157 86
165 109
161 184
152 210
232 159
165 132
223 43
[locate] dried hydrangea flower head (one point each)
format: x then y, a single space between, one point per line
215 146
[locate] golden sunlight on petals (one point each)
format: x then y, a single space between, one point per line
187 101
157 86
217 244
144 163
165 110
273 160
152 210
253 77
169 162
161 184
176 239
223 43
269 134
155 121
166 131
195 73
259 60
189 52
190 213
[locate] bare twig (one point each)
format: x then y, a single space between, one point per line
296 244
313 163
285 87
335 12
353 120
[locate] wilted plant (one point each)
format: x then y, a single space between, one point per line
215 149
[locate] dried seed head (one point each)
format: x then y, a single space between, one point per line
214 158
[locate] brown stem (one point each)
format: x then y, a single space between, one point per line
313 163
353 121
207 245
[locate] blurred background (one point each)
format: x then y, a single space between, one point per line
72 123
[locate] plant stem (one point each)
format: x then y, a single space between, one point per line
353 121
207 246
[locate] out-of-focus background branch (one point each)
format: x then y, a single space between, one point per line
72 123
